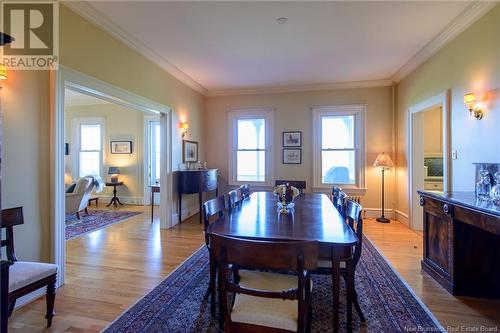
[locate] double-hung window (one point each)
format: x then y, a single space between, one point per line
250 146
87 146
339 146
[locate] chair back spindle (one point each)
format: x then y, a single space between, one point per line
234 198
245 191
212 207
353 213
10 218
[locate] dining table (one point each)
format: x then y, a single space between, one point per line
312 218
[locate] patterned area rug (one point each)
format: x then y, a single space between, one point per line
177 305
97 219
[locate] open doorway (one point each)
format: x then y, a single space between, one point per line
93 149
428 152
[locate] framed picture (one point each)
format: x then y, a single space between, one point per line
292 156
121 147
292 139
189 151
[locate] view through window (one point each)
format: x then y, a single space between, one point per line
251 150
90 150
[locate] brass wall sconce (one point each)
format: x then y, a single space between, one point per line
3 72
184 128
473 106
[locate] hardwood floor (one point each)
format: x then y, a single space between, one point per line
109 270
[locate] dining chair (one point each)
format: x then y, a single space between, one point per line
245 191
299 184
265 301
212 207
25 277
235 198
353 215
341 202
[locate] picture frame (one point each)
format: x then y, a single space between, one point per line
189 151
121 147
292 138
292 156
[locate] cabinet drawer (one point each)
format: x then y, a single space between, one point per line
433 186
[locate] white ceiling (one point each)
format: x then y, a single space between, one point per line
240 45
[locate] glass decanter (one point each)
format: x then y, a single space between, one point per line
483 186
495 190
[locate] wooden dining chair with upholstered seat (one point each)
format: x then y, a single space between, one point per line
352 211
211 208
299 184
245 191
335 193
235 198
341 201
25 277
265 301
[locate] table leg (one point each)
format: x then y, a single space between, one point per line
180 208
152 203
336 286
200 197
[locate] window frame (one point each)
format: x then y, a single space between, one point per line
251 113
359 113
76 143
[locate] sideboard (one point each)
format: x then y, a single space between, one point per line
462 243
196 181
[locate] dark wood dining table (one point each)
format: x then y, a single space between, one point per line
313 218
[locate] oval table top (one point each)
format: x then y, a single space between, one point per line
313 218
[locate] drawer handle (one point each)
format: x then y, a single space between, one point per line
422 201
446 209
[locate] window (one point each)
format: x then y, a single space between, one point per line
87 146
250 157
154 151
339 146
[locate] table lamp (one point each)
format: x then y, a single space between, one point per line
384 161
114 172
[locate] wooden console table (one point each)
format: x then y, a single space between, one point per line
196 181
462 243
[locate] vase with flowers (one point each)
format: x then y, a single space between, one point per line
285 194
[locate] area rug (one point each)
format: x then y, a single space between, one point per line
177 304
97 219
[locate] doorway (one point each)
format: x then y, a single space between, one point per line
428 152
65 80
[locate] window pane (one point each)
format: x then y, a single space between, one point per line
89 163
338 167
90 137
251 133
251 166
337 132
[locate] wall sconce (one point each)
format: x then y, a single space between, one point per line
184 128
473 106
3 72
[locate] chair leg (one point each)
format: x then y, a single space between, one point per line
211 286
358 308
86 211
78 215
50 297
350 292
12 304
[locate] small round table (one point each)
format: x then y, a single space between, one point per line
114 199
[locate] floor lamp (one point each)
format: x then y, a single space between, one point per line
383 161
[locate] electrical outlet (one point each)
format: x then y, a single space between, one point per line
454 155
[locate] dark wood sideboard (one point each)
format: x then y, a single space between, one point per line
462 243
196 181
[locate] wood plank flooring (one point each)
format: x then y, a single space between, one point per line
109 270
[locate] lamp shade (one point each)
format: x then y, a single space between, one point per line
383 160
113 171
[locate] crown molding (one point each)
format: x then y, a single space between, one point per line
471 14
299 88
92 15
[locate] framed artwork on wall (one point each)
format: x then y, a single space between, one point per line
292 156
121 147
292 139
189 151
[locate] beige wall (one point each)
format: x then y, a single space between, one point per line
293 112
471 62
25 108
433 131
120 124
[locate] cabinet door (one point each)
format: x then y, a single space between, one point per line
438 231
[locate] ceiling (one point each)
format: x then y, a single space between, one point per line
224 46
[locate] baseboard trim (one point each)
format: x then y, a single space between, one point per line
377 212
402 217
